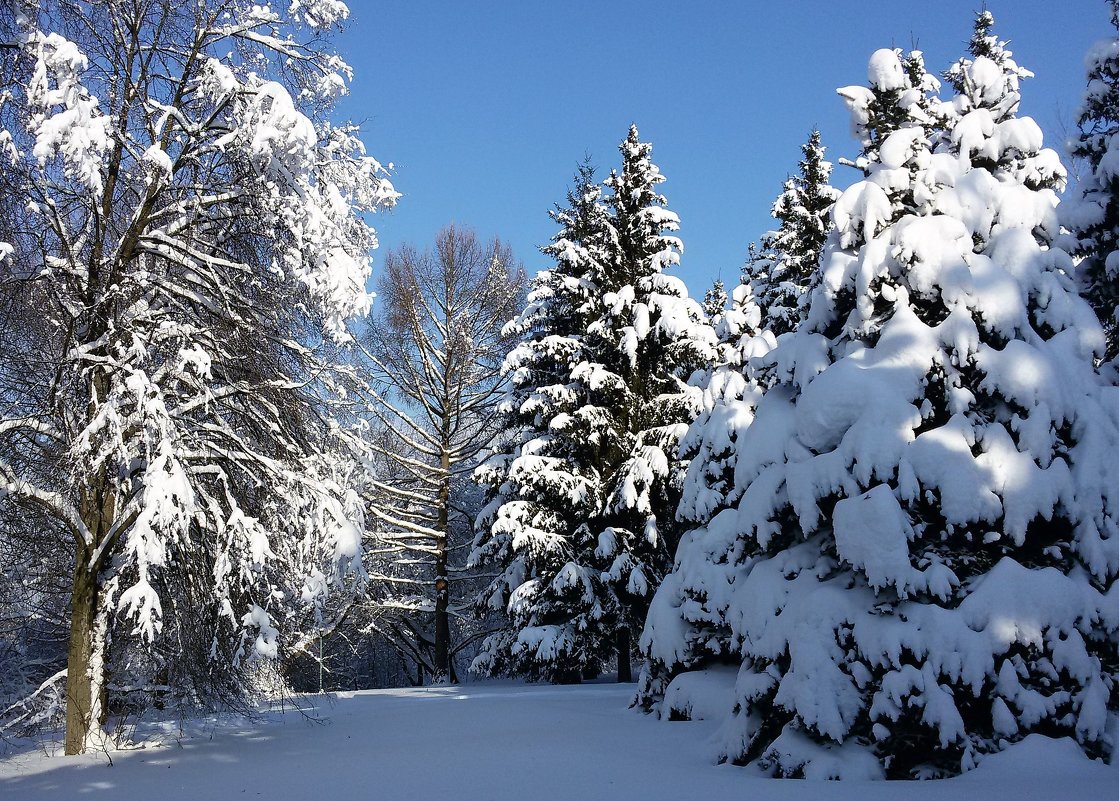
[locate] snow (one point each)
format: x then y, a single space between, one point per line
319 13
65 120
159 159
701 694
497 741
268 132
872 533
266 640
884 70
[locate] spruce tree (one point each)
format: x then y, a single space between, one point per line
1000 95
715 301
915 567
580 517
899 95
545 483
1092 214
782 270
686 625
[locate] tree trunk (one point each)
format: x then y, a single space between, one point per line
86 695
442 622
442 589
625 670
81 685
567 676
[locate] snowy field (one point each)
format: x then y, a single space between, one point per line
489 742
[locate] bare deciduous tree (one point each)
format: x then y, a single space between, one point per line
436 347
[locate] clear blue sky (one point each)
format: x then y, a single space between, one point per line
485 108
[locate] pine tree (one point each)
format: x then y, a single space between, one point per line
909 485
1092 213
581 516
784 268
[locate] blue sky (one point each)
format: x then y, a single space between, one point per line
486 108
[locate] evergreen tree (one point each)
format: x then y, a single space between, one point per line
1092 214
686 625
544 483
999 95
899 95
715 301
915 567
581 506
783 270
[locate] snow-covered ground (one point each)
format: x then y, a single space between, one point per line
489 742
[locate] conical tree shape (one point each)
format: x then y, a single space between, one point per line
545 482
715 301
920 567
580 518
783 269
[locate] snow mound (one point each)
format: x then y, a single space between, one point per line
1039 756
701 694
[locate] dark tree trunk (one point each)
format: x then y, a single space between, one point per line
442 623
625 670
569 676
442 588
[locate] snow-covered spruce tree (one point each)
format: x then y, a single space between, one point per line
435 350
653 337
715 302
921 565
771 299
581 516
544 483
685 626
1092 212
192 240
784 266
